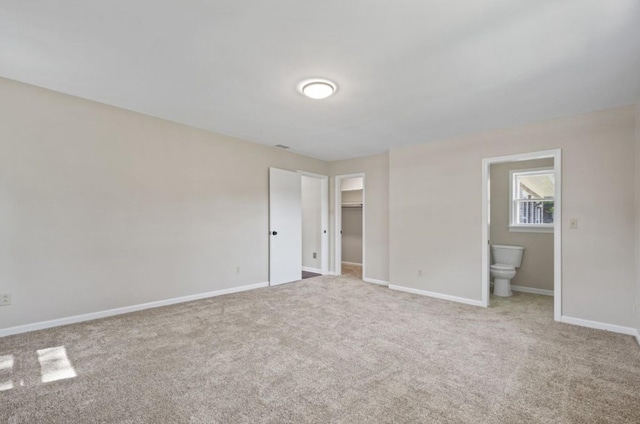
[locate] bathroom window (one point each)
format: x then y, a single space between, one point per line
532 201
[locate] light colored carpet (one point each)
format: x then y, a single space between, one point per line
327 349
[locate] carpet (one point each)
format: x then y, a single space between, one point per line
323 350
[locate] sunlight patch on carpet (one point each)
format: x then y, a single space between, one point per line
55 364
6 365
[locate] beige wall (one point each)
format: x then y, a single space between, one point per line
349 184
536 270
435 211
376 213
102 208
311 222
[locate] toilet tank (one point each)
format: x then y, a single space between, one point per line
507 254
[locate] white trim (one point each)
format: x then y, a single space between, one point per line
324 220
531 229
437 295
638 336
314 270
532 290
351 263
364 223
374 281
324 223
599 325
337 221
556 154
124 310
557 236
486 258
337 225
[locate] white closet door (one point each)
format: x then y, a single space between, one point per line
285 222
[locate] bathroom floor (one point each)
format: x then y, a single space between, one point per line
538 306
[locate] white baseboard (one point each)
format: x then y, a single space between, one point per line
532 290
333 273
437 295
374 281
124 310
314 270
351 263
600 326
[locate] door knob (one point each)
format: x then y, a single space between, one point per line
275 233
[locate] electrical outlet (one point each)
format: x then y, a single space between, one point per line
419 273
315 255
5 299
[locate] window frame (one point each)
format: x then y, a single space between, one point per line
513 202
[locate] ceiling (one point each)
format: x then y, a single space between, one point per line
408 71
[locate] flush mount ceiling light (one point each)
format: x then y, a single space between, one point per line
317 88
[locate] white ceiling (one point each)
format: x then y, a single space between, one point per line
409 71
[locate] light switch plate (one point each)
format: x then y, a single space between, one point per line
573 223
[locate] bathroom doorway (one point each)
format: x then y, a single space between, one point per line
349 219
521 208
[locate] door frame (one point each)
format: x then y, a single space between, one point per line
556 154
337 219
324 219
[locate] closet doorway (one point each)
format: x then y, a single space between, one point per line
349 218
298 219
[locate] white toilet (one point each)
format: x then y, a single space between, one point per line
505 261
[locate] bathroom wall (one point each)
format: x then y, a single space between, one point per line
536 270
352 227
311 222
435 211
